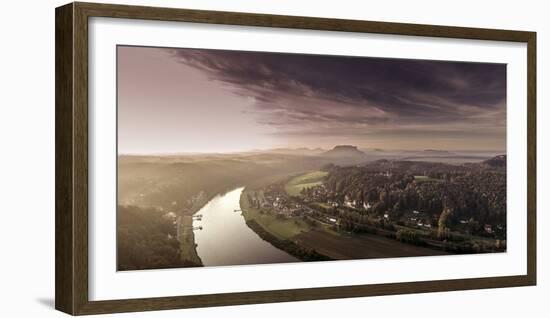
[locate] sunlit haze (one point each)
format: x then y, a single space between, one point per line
215 101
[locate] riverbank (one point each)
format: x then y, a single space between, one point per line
294 234
279 233
302 253
186 234
226 239
185 224
186 237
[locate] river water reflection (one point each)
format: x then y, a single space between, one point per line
225 239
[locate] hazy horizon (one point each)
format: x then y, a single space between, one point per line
455 151
197 101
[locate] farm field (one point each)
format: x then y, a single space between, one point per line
426 179
360 246
283 229
308 180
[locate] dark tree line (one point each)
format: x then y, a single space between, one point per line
146 240
472 195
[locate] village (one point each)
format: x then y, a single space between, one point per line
319 204
394 203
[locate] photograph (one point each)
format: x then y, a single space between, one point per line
228 157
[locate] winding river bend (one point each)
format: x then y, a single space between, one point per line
225 239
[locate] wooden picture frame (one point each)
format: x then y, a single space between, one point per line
71 90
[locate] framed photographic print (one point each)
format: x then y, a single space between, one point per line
218 158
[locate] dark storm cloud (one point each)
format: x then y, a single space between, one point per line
296 89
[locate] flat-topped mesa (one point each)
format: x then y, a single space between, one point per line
344 151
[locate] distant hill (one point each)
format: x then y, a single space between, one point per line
343 151
293 151
435 151
496 162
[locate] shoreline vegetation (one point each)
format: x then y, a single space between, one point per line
311 208
302 253
147 238
307 210
320 239
187 241
172 188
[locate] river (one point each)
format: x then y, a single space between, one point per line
225 239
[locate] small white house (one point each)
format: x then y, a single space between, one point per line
367 205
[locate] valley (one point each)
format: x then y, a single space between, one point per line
314 205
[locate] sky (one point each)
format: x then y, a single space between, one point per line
173 100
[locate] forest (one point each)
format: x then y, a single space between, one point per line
475 193
459 208
146 239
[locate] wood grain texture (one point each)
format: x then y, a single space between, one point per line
72 157
297 22
80 146
165 303
532 158
64 235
